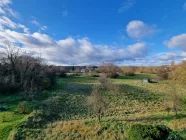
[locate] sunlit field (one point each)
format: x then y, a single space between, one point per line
62 113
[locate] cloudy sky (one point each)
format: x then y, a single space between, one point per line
85 32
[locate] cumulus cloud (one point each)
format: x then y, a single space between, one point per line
177 41
165 58
67 51
126 5
169 56
72 51
138 29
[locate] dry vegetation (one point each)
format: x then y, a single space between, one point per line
87 106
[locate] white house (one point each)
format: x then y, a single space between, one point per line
83 70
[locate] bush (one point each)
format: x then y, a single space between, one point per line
24 108
129 73
162 74
61 74
112 75
76 74
94 74
49 80
149 132
7 88
184 99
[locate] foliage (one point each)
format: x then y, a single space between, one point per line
61 74
23 71
178 74
162 74
98 102
24 107
149 132
110 69
62 112
128 71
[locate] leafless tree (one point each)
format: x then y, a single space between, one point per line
110 69
12 57
175 97
23 69
98 102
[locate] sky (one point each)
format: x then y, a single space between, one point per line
90 32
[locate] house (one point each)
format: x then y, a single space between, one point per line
83 70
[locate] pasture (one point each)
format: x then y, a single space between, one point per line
137 103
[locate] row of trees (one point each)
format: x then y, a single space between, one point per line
23 71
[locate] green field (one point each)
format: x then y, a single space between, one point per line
138 103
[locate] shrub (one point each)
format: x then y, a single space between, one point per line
128 71
108 75
94 74
162 74
112 75
7 88
6 117
49 80
98 102
105 83
61 74
149 132
76 74
24 108
109 69
46 83
184 99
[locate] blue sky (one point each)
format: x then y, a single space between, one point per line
86 32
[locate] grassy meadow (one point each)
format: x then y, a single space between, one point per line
137 103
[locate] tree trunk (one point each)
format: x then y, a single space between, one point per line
99 117
99 114
175 110
12 78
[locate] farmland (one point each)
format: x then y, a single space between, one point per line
62 112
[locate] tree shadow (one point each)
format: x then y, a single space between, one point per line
156 118
136 77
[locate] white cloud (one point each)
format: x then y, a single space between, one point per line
2 11
177 41
138 29
5 22
126 5
68 51
44 28
168 56
5 2
35 22
41 27
165 58
5 8
74 51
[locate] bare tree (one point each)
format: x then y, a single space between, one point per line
110 69
175 97
24 70
12 57
98 102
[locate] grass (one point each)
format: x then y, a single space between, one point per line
138 103
9 119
